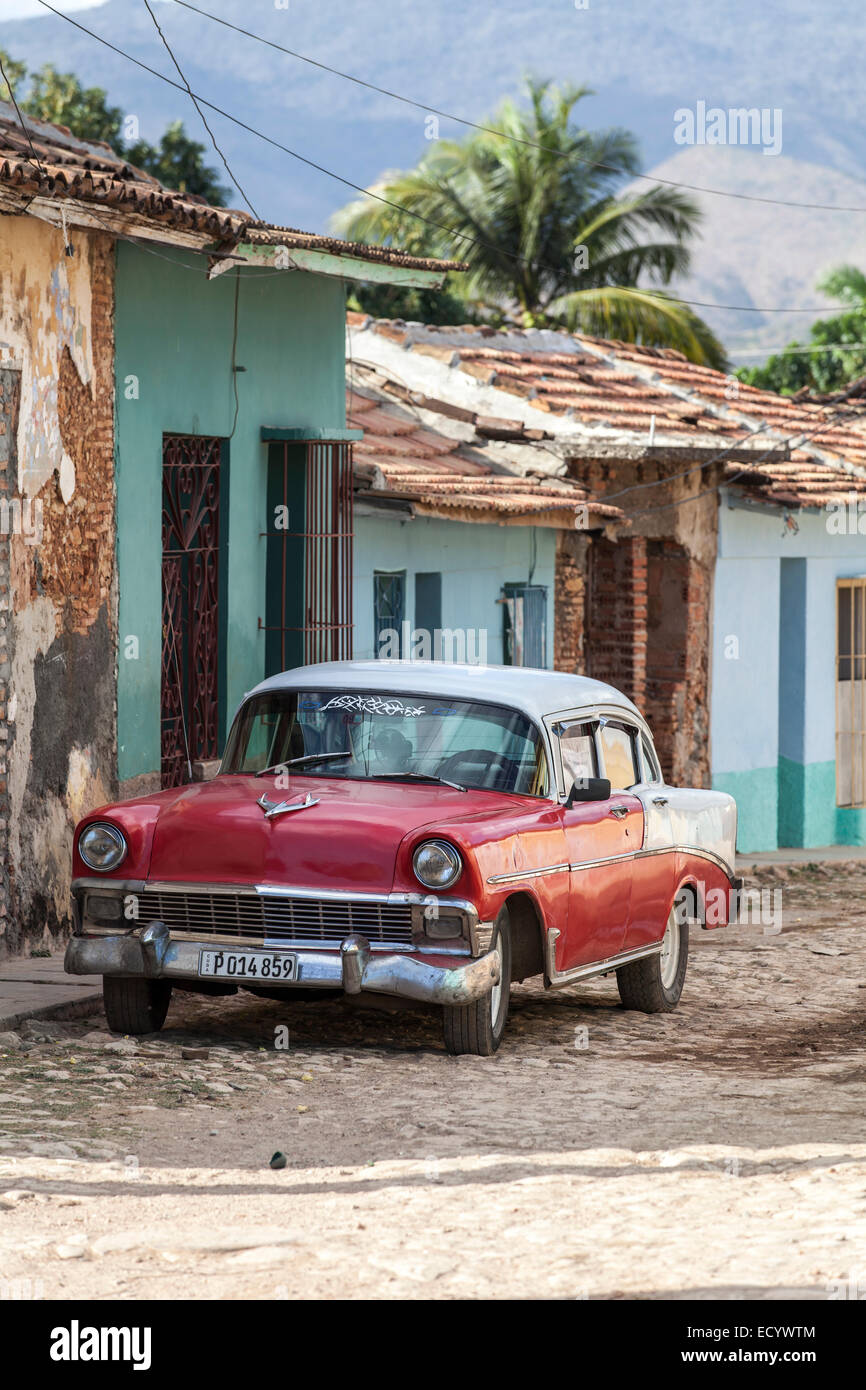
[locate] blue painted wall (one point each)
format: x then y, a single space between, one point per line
773 705
475 562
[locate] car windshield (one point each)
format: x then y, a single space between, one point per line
370 734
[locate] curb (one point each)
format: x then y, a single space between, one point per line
63 1011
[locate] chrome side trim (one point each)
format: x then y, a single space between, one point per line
597 863
529 873
557 978
707 854
648 853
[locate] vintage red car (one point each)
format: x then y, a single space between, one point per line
413 829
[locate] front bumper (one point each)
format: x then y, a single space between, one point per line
152 953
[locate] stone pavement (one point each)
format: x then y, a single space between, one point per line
37 988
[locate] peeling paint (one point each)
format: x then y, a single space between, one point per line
45 306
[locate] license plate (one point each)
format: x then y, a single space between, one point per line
247 965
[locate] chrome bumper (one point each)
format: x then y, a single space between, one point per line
154 954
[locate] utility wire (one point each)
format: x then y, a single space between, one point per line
504 135
194 101
662 298
33 157
827 423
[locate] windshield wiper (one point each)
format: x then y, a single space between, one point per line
307 758
416 777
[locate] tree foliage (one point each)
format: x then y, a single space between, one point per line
548 238
824 363
176 160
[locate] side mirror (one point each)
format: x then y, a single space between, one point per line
589 789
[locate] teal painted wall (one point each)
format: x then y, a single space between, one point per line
774 702
173 333
475 562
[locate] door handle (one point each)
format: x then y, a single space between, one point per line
618 811
660 801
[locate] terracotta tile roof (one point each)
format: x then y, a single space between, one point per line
59 165
637 393
400 459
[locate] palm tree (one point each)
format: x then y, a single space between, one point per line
548 241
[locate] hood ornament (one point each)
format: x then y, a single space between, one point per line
279 808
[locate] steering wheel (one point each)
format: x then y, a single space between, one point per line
474 756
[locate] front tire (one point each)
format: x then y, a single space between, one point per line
477 1028
654 985
133 1005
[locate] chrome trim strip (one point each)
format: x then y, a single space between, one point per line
529 873
664 849
557 978
611 859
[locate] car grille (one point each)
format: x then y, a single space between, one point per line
276 918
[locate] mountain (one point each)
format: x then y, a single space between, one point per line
762 255
645 62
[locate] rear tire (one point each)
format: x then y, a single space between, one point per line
477 1028
133 1005
654 985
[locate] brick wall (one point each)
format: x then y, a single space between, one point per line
569 617
617 614
677 661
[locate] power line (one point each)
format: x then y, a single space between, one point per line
660 297
182 77
800 351
503 135
828 423
28 137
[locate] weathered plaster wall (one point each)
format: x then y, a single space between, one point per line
56 335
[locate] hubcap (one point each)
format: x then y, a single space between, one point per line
670 953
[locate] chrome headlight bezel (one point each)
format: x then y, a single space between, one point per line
115 834
448 853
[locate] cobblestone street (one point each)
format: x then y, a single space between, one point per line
716 1152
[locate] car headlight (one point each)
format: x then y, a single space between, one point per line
102 847
437 864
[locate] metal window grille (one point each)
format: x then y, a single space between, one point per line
325 606
191 468
851 692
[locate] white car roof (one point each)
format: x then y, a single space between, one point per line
536 693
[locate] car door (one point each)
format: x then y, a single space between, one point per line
655 872
601 837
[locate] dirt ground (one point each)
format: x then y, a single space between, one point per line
716 1152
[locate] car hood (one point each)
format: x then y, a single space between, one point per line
216 832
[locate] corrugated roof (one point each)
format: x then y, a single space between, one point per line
60 165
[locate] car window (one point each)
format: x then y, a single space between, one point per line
577 745
651 769
370 734
617 747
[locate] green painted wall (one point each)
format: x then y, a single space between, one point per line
174 331
756 793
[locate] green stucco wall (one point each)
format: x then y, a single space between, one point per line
174 331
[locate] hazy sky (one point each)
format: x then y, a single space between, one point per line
24 9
